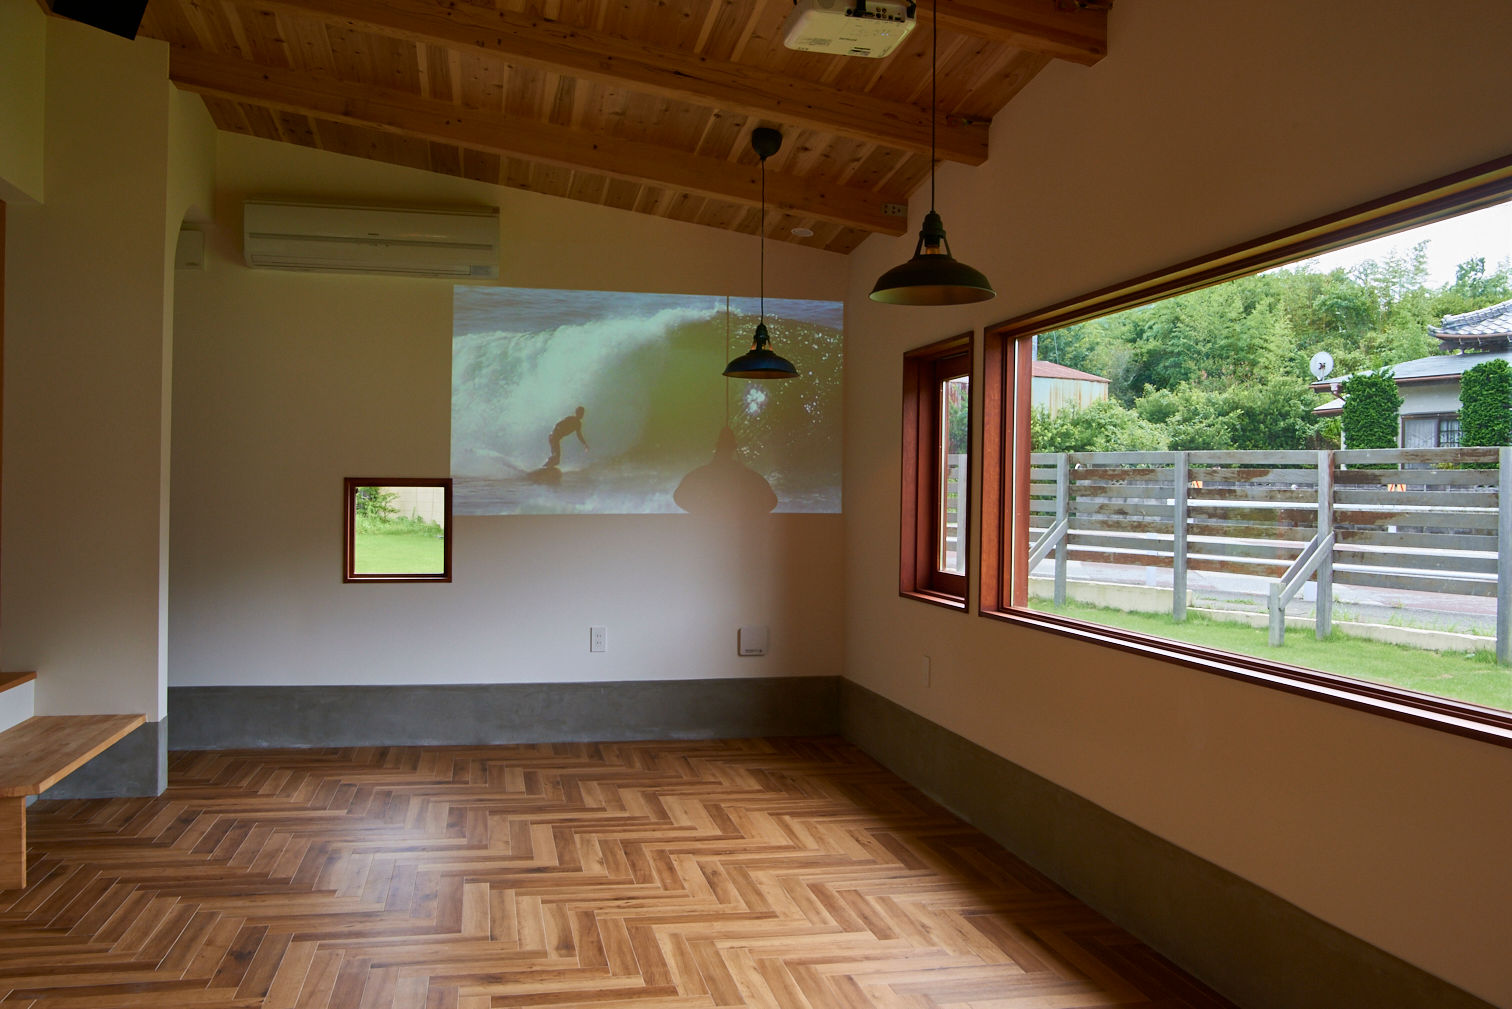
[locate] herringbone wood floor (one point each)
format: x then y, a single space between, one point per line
765 873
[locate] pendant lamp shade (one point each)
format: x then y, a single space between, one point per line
759 361
933 276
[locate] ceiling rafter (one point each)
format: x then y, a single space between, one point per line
326 97
1065 29
676 74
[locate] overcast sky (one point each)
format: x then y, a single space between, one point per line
1450 242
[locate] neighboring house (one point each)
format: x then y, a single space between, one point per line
1055 386
1430 386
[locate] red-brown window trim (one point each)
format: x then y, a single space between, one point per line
1005 382
349 528
918 574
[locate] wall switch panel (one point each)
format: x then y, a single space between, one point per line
753 640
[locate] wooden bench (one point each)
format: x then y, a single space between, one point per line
34 755
8 680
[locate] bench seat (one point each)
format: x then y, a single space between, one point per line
34 756
8 680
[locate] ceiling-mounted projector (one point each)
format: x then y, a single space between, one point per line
848 27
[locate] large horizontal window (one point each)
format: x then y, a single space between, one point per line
1289 462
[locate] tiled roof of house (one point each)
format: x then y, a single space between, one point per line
1329 409
1049 369
1483 327
1424 369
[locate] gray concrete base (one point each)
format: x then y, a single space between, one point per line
137 765
1257 949
206 718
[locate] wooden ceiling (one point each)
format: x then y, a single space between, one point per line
645 105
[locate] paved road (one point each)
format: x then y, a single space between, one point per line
1218 590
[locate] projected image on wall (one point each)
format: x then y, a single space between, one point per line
613 403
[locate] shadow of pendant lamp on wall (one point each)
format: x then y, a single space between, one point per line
760 362
933 276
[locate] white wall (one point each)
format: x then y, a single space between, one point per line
1430 397
87 344
1206 125
23 86
17 704
190 201
23 70
285 383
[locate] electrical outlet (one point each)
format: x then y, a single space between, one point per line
598 639
927 674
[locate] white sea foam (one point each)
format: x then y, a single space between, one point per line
509 388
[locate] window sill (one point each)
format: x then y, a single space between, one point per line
393 579
1458 717
942 599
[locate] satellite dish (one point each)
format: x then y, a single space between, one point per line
1322 363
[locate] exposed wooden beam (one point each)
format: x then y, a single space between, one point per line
671 73
325 97
1060 28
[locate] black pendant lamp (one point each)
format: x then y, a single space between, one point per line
933 276
759 362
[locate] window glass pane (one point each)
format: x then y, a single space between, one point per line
955 400
1449 432
935 474
1202 471
1419 432
399 530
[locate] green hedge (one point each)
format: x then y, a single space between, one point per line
1371 402
1486 404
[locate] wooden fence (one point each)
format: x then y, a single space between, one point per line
952 513
1427 520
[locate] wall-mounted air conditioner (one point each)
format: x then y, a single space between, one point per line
848 27
459 243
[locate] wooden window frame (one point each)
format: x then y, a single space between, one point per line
349 529
1007 357
919 577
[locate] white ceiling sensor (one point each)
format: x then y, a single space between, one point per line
871 28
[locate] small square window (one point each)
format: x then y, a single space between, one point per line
398 529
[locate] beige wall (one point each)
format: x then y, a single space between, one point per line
428 504
1056 394
191 199
87 340
23 69
287 382
1208 124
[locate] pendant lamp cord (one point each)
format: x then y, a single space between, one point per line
727 350
934 73
762 289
